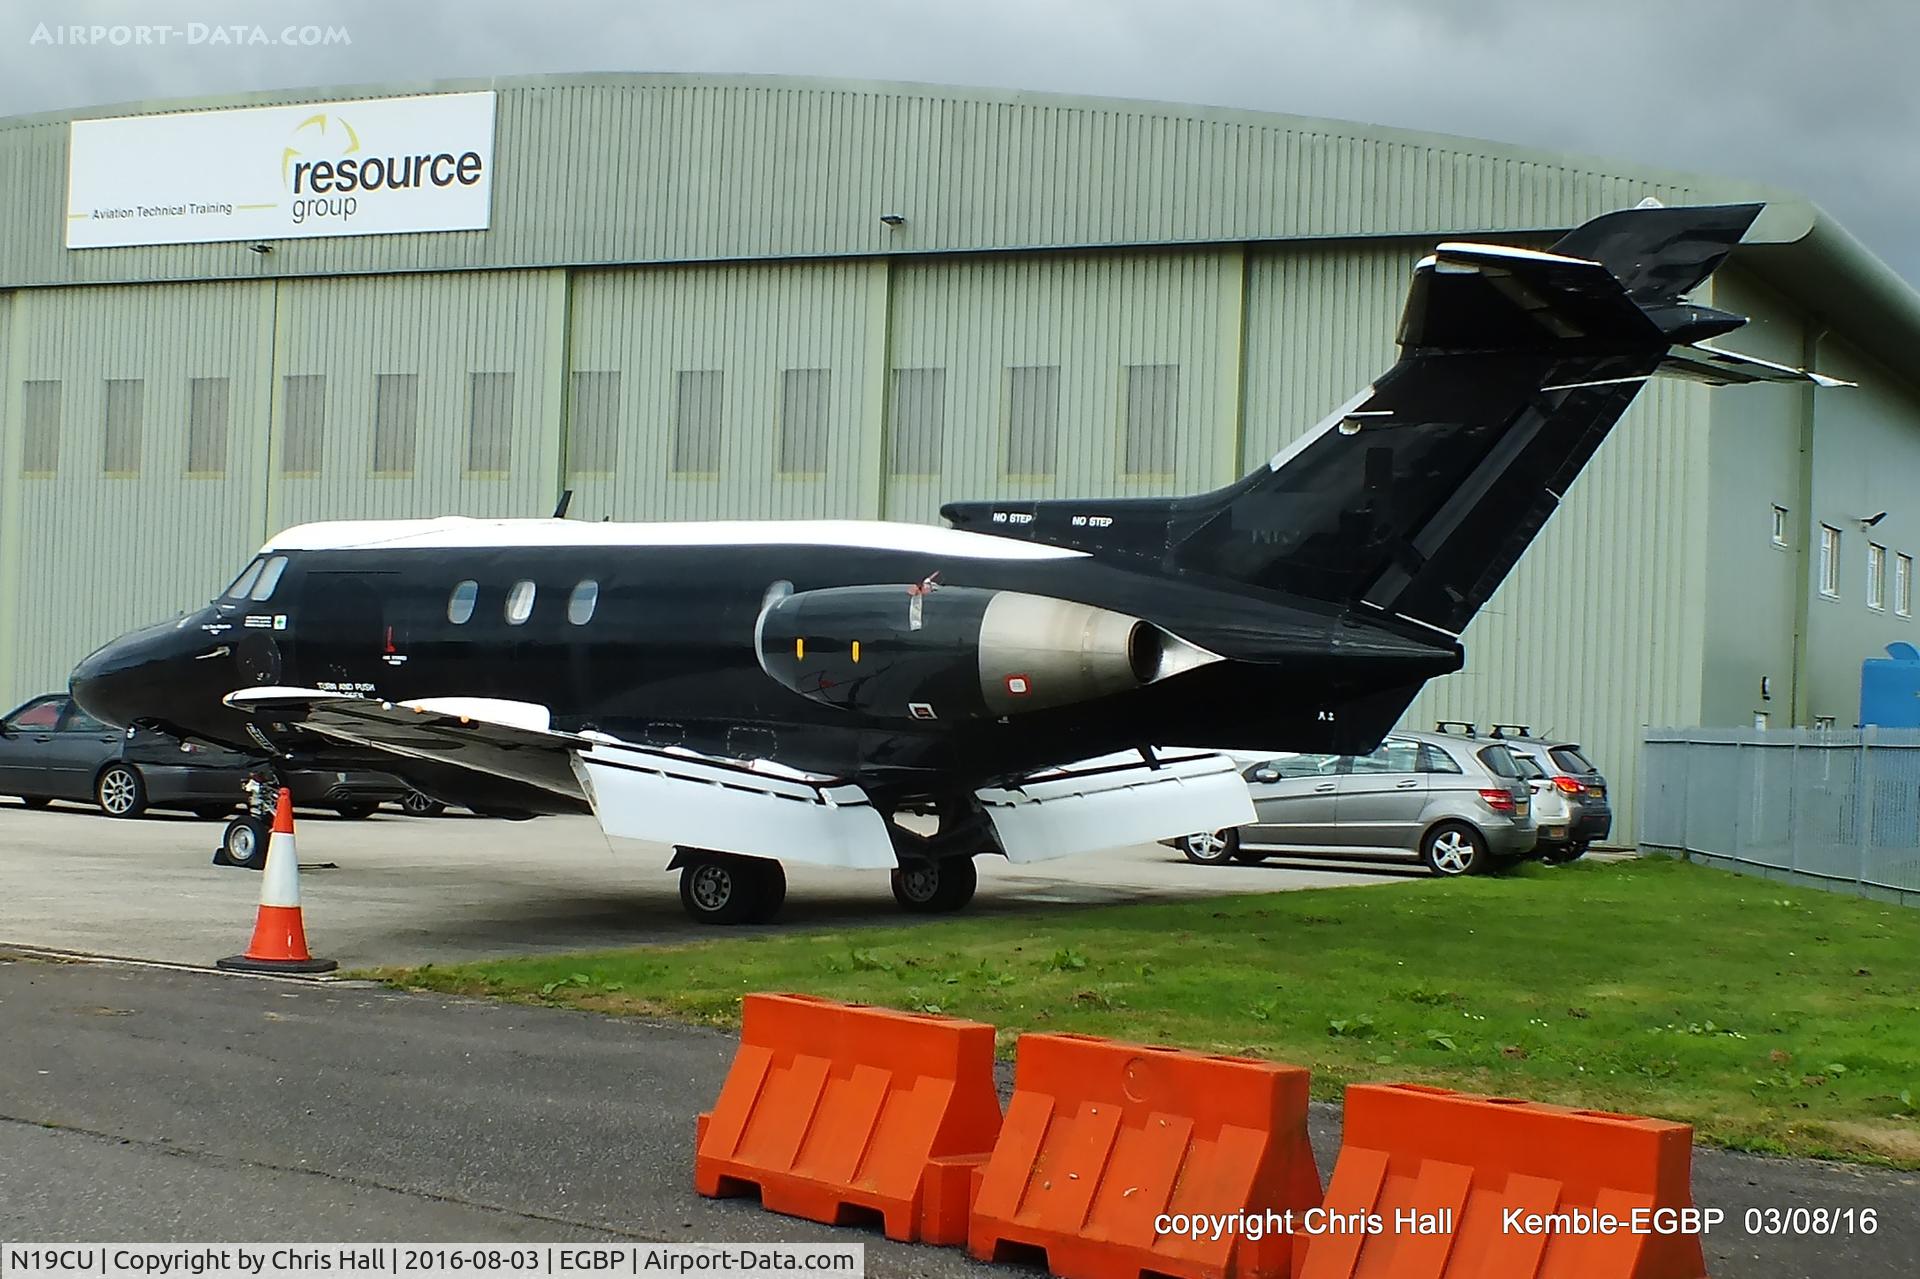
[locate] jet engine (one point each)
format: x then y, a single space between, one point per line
927 652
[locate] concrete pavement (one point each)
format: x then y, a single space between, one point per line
171 1106
400 890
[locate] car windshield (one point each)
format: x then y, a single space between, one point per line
1499 761
1570 759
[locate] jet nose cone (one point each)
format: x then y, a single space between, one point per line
137 676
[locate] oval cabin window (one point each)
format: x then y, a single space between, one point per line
460 603
581 603
519 603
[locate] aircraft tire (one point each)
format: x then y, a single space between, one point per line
244 842
717 889
935 887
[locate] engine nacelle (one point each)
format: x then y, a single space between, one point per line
958 652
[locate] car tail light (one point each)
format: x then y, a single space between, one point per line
1500 801
1567 786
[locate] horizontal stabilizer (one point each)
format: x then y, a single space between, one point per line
1715 367
1104 804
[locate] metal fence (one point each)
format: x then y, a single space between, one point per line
1838 809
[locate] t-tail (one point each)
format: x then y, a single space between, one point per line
1416 497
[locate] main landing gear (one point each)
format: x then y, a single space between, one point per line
720 888
935 888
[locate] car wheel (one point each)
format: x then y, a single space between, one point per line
1211 848
34 801
1453 848
717 889
1566 853
935 887
212 812
244 843
358 811
416 804
120 791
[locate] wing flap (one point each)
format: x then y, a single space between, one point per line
1107 803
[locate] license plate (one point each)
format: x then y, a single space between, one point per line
1522 807
1597 791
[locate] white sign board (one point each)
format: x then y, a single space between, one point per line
373 167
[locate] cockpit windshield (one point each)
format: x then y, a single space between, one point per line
243 583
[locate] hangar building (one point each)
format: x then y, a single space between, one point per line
692 297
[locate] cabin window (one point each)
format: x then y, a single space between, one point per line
460 603
244 583
519 603
580 604
269 578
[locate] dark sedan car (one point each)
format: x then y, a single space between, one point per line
51 749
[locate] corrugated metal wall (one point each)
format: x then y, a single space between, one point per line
1093 318
641 331
444 330
662 168
86 553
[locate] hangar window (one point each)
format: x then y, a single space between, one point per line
126 406
803 421
40 411
1903 585
1876 576
593 423
519 603
1779 526
1153 391
303 423
917 421
696 421
490 425
207 427
396 423
269 578
1829 561
460 603
581 603
1033 420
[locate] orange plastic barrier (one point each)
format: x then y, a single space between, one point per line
837 1111
1438 1171
1103 1138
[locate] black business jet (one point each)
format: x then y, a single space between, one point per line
758 692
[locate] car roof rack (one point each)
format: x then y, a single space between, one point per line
1511 730
1464 725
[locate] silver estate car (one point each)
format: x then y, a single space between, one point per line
1455 804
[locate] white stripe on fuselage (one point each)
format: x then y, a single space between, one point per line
453 532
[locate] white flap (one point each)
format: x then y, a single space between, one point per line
1084 809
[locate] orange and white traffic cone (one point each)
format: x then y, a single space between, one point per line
279 936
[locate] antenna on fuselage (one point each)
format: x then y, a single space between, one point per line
560 507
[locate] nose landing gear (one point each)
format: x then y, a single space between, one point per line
244 842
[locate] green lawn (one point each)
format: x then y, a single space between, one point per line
1771 1018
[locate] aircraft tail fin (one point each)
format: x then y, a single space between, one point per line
1416 497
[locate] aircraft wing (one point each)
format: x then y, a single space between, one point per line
761 808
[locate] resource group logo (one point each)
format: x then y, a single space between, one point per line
372 167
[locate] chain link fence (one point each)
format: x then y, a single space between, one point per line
1837 809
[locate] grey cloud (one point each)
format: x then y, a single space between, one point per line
1814 98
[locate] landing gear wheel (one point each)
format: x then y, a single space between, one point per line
718 889
1566 853
1211 848
416 804
120 791
1452 849
935 887
244 843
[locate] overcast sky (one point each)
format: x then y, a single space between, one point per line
1816 97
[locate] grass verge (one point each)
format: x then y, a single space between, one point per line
1774 1019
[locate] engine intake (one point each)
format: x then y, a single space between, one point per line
958 652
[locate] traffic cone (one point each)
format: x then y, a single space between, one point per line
279 936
